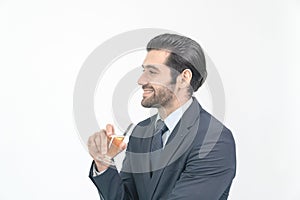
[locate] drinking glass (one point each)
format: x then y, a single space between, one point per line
114 141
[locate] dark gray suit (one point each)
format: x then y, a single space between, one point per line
198 162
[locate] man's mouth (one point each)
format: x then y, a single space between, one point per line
147 92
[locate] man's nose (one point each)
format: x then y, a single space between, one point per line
143 80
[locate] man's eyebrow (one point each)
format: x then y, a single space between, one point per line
151 66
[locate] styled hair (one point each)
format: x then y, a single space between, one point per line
185 53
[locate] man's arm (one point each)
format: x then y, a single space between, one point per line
111 186
114 186
210 177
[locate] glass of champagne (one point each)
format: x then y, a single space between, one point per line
114 141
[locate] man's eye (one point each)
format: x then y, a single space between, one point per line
152 72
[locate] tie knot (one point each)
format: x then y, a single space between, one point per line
161 126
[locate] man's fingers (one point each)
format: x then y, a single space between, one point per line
123 146
110 130
98 143
116 149
103 142
97 140
92 146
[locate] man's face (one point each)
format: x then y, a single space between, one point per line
156 80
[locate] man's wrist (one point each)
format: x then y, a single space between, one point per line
100 166
97 172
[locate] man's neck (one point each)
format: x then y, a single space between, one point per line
165 111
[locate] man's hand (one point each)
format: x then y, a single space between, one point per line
98 145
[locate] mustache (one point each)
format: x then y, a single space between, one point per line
147 86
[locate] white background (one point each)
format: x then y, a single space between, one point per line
254 45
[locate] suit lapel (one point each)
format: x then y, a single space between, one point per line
178 142
146 145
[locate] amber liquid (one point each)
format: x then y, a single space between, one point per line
117 139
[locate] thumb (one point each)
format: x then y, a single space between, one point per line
123 146
110 130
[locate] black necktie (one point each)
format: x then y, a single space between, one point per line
157 142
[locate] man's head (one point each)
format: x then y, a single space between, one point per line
174 65
185 53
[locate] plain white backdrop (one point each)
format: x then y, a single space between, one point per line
254 45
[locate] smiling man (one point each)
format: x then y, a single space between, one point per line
160 91
182 152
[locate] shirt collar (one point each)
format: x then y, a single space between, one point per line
173 118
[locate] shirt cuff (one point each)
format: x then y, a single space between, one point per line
95 172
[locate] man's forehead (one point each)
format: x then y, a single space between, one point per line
156 57
156 66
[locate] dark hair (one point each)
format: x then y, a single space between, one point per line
185 53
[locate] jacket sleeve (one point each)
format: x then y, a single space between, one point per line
208 177
113 185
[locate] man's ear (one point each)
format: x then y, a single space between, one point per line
184 79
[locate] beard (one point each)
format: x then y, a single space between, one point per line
160 97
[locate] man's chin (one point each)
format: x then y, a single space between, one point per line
148 104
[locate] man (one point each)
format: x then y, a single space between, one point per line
180 153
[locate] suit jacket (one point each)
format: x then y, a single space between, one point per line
198 162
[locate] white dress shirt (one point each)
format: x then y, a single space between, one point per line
172 120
